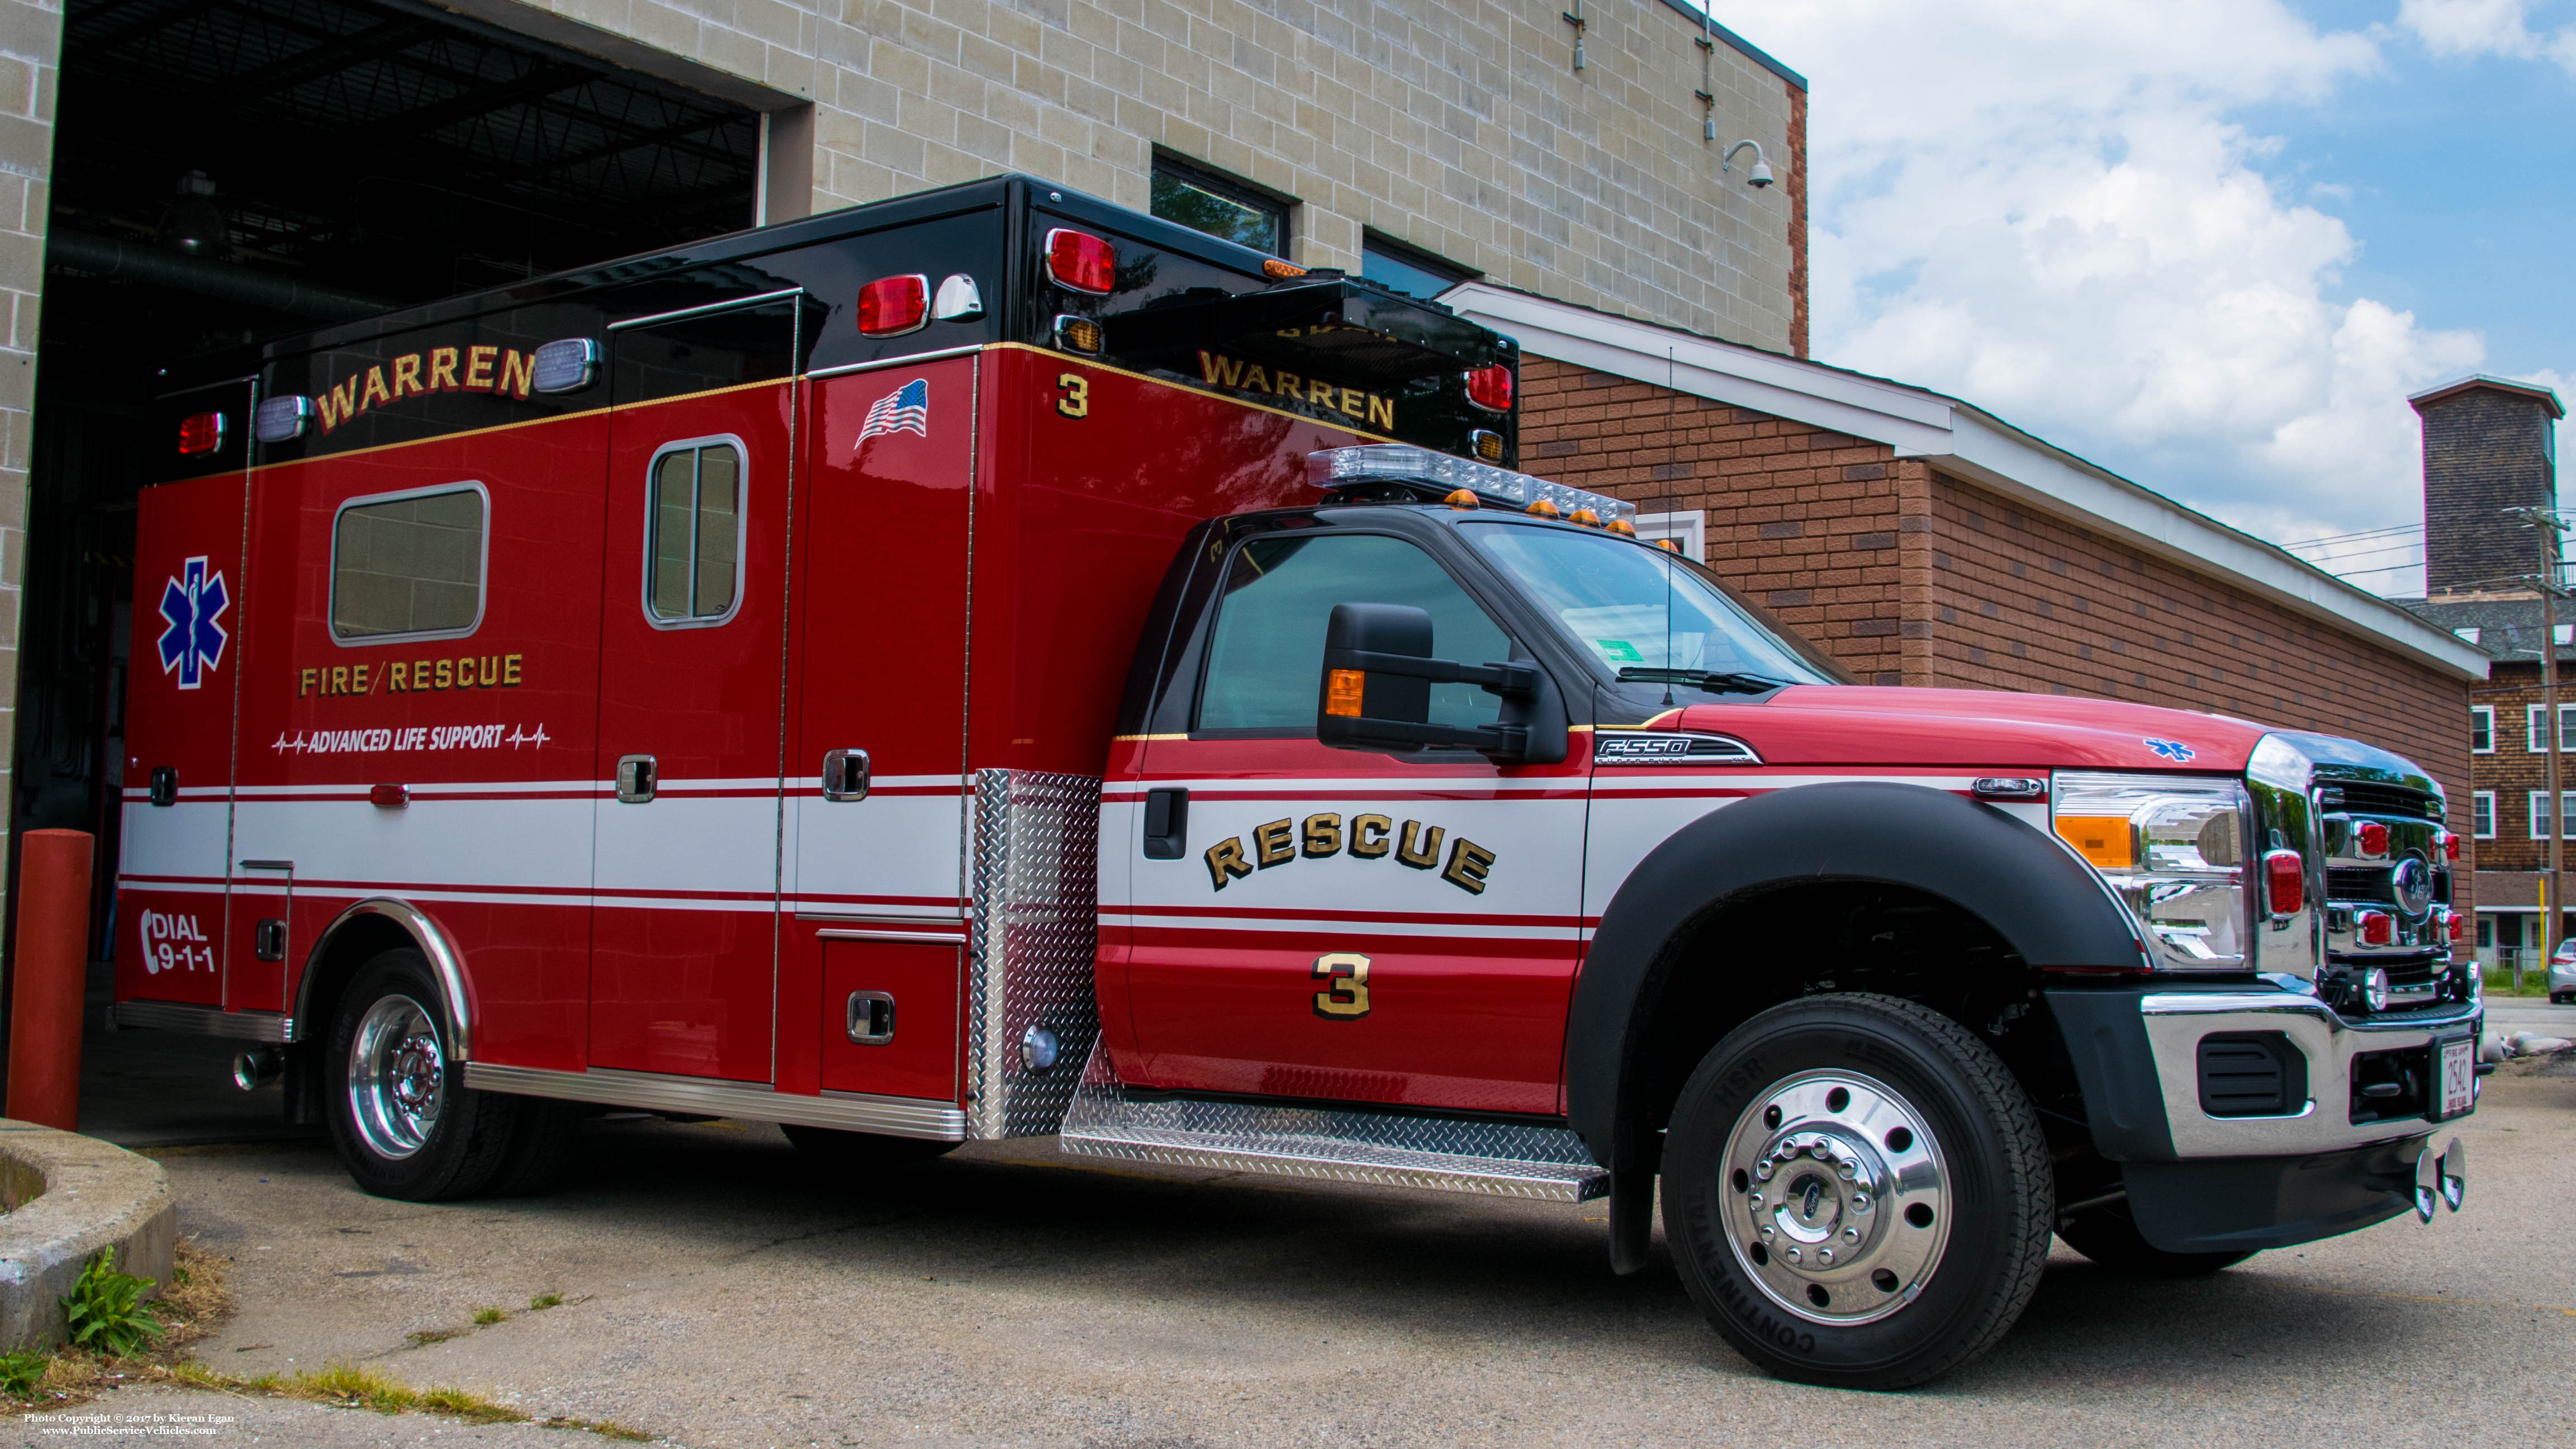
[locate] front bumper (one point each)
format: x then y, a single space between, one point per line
2137 1055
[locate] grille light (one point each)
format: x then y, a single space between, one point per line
1081 261
2378 928
282 419
201 433
2285 882
1440 475
567 364
2374 838
892 306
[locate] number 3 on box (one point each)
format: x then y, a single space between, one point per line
1347 998
1076 402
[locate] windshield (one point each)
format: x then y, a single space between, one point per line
1642 611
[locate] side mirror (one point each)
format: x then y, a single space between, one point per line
1376 691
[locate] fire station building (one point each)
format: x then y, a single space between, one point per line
177 175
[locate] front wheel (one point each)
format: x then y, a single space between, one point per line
404 1122
1857 1193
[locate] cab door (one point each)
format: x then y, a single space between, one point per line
701 474
1338 925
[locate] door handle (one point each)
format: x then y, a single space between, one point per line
635 778
845 774
1167 823
870 1019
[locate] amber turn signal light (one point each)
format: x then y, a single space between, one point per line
2101 839
1342 690
1280 271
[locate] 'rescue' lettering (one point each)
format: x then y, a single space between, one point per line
1370 837
501 371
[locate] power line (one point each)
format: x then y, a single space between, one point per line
2365 533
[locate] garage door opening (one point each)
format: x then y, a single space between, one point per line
230 170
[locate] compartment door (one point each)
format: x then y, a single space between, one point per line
882 682
701 473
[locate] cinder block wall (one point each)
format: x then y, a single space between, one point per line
1459 126
1907 575
31 37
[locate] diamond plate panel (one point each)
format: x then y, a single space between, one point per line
1035 931
1498 1158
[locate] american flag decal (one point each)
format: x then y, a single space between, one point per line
905 410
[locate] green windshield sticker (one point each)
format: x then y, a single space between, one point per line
1618 651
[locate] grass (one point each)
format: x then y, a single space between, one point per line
2535 982
544 1301
107 1312
196 1301
486 1316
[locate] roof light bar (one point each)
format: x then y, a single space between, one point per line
1437 475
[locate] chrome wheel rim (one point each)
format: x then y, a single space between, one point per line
397 1077
1835 1197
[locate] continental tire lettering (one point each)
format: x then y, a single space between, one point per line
1225 862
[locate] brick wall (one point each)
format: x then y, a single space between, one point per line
2514 771
1458 127
2485 450
1907 575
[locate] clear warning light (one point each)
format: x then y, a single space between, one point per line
201 433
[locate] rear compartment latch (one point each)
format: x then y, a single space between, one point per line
870 1021
635 778
165 785
845 774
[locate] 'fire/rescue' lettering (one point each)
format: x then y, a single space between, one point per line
412 676
1369 837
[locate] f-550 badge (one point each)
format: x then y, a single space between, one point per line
1656 747
1370 837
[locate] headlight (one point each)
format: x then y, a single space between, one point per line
2173 850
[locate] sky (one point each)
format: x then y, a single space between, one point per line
2210 245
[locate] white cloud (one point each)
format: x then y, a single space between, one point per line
2047 209
2466 29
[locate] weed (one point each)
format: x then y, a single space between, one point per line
106 1312
20 1371
428 1336
544 1301
484 1316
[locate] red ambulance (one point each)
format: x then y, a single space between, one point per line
991 663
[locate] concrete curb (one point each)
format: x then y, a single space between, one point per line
76 1195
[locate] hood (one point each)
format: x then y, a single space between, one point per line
1979 728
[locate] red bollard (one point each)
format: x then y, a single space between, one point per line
50 973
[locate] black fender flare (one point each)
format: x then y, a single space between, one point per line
2045 902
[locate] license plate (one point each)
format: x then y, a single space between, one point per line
2455 1071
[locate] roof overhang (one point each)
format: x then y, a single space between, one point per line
2480 382
1963 440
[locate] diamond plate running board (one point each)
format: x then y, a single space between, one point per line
1391 1149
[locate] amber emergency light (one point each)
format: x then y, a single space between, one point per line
1081 261
1435 477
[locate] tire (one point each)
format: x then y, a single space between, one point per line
2110 1237
400 1115
544 1146
1936 1265
854 1151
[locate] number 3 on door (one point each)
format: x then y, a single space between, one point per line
1076 402
1346 999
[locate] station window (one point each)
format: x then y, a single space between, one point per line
409 565
2540 811
2482 815
693 543
1267 655
1220 205
2482 729
2536 738
1406 269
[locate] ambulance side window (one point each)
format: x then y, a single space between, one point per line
409 565
693 534
1266 656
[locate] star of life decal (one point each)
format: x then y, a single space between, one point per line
2174 750
191 603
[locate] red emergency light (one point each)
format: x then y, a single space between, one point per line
1082 261
2374 838
2285 882
201 433
2378 928
892 306
2450 846
2459 924
1490 388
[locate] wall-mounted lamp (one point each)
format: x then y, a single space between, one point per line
1760 176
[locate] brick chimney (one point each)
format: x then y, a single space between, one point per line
2487 447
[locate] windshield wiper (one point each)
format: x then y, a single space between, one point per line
1729 682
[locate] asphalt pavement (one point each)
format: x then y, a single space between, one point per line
720 1292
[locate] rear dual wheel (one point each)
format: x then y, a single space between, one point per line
405 1123
1857 1192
